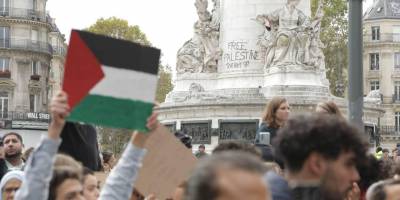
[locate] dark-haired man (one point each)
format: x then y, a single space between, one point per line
321 153
13 145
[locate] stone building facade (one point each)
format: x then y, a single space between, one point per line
32 52
381 59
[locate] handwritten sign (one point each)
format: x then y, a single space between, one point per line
166 165
238 55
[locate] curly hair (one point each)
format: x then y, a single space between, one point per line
325 134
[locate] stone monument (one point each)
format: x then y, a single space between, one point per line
242 53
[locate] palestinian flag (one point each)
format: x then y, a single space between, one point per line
110 82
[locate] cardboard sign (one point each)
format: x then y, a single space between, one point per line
166 165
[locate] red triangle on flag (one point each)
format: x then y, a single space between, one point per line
82 70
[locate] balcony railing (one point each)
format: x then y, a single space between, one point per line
29 116
57 50
22 13
386 37
25 44
389 130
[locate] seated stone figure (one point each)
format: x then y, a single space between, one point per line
291 38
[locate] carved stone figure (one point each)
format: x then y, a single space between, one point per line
195 88
291 38
373 97
202 52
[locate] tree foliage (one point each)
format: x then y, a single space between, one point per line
164 85
119 28
334 34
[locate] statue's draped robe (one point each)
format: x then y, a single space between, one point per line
287 43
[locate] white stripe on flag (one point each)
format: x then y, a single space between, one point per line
126 84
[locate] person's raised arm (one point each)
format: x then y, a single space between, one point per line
39 167
119 184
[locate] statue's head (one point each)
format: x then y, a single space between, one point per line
293 2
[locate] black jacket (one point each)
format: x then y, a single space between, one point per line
265 128
80 142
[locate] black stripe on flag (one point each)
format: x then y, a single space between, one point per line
122 53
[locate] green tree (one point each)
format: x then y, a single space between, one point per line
164 85
119 28
115 139
334 34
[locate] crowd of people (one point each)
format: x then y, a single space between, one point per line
301 157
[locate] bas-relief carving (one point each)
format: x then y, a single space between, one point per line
34 87
7 85
196 93
291 40
201 53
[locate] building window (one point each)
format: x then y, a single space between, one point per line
376 34
397 61
35 68
396 96
33 99
4 7
374 85
4 64
397 121
4 37
396 33
3 105
34 36
374 61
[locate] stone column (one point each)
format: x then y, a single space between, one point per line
241 63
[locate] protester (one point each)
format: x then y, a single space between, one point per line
119 184
91 188
10 183
39 168
369 171
237 146
184 138
108 161
13 145
80 142
384 190
66 160
378 153
321 153
201 152
227 175
385 155
66 183
3 166
275 115
329 107
27 153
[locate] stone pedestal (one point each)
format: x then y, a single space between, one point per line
228 104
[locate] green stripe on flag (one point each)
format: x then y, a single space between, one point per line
112 112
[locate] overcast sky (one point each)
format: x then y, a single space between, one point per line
167 23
